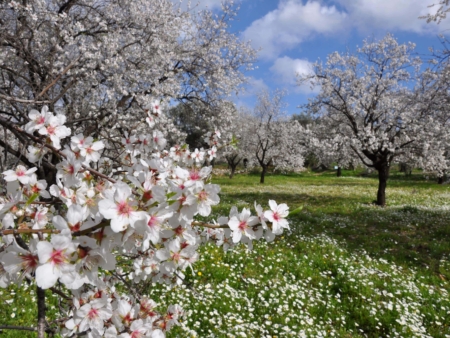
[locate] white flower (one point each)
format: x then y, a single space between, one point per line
277 216
75 217
55 129
206 197
38 119
151 226
55 260
21 174
120 210
94 314
68 169
242 225
37 187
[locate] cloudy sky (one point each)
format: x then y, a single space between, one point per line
293 34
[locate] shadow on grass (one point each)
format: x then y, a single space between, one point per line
406 236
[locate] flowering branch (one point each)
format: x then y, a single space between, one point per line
14 327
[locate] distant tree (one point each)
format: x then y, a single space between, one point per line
272 137
330 148
377 102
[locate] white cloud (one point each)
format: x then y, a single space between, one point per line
285 70
392 15
253 87
245 97
296 21
292 23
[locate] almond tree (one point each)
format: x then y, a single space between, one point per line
271 137
102 63
82 88
377 101
329 148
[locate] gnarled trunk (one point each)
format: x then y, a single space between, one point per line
233 169
263 173
383 175
339 172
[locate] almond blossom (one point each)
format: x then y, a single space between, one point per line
242 224
55 261
277 215
94 314
120 208
21 174
55 129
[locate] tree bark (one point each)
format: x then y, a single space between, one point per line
263 173
41 312
383 175
339 172
233 169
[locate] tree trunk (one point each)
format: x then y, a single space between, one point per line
233 169
441 180
40 293
339 172
263 173
383 175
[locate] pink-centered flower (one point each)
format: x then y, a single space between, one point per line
55 260
37 119
121 209
277 216
21 174
94 314
55 129
206 197
242 224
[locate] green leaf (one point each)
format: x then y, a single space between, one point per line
234 142
170 194
32 199
295 211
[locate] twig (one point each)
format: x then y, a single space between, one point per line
14 327
60 293
11 98
136 294
208 225
51 231
59 76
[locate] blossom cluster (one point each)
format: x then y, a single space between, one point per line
90 230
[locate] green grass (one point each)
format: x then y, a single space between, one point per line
346 269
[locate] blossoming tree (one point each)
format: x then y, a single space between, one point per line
328 148
67 236
271 137
95 203
378 102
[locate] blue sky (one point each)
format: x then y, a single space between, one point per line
293 34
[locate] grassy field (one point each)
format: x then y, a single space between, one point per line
347 268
